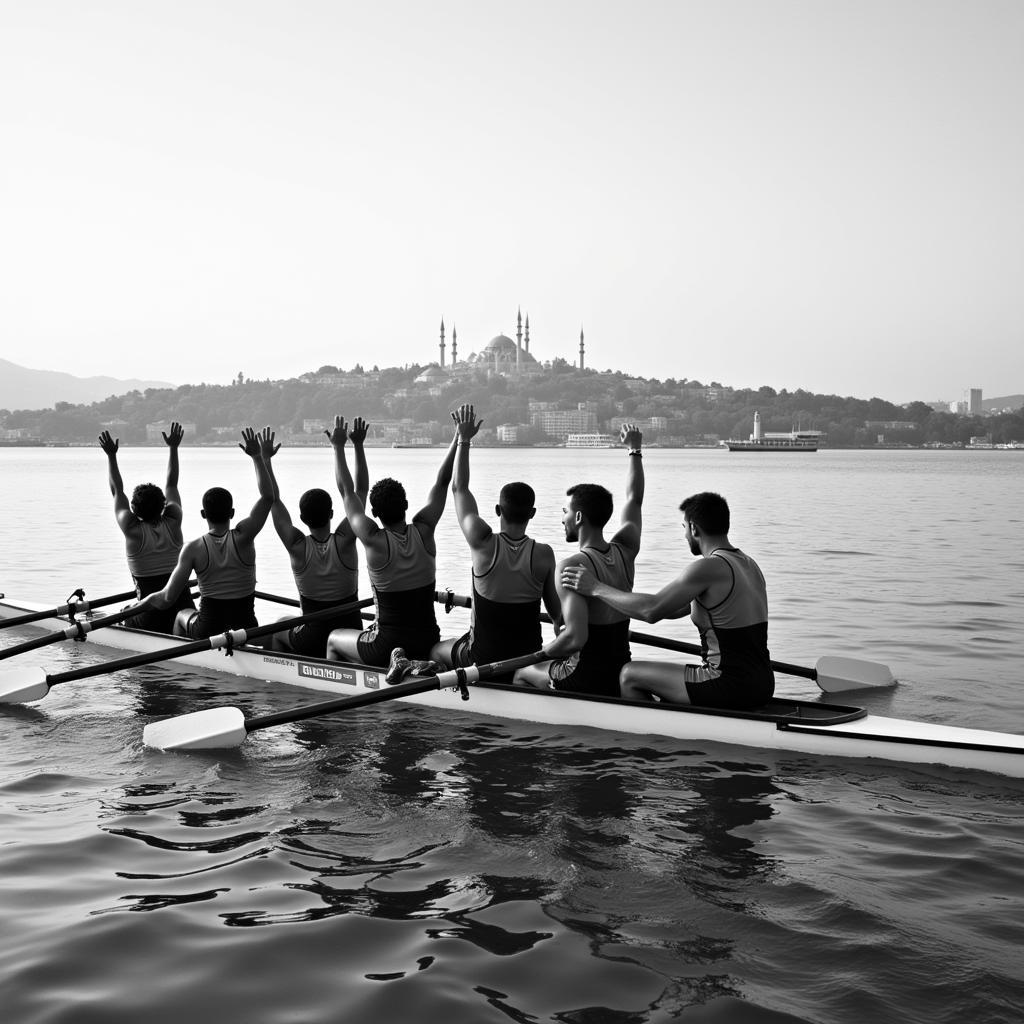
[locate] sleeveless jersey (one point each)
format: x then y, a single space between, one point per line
506 603
324 576
226 574
403 587
607 646
734 632
157 554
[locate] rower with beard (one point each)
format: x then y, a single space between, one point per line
724 593
400 561
511 572
589 652
151 524
223 558
325 563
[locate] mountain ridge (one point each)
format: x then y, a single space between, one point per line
24 388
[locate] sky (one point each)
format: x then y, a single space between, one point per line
819 195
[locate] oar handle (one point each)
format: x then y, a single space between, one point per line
234 637
277 599
454 677
72 608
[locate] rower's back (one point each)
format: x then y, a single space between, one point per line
225 566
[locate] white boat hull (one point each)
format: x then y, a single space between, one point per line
793 728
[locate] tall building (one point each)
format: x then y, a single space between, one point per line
974 401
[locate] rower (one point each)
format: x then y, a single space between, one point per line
724 593
151 524
594 644
511 572
325 564
224 558
400 560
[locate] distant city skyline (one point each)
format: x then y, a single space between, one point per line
805 196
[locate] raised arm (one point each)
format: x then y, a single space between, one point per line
629 532
172 440
261 449
122 509
475 529
357 435
286 530
355 506
430 514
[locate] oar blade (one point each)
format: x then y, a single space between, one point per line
23 685
836 674
211 729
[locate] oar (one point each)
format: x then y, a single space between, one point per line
71 608
76 631
277 599
293 603
21 685
218 728
833 674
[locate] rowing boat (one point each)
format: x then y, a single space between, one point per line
807 727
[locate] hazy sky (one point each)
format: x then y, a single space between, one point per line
827 195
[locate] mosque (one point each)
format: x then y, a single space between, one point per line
501 356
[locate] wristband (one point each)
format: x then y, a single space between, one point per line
635 451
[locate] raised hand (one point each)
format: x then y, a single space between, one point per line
251 445
466 424
267 447
107 443
360 428
631 435
173 439
339 435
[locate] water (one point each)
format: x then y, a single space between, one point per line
402 866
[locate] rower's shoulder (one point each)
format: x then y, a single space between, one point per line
543 553
576 558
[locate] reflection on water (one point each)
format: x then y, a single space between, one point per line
402 865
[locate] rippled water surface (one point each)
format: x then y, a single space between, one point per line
406 865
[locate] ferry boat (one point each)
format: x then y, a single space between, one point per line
794 441
590 441
799 726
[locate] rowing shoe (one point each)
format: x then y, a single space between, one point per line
219 728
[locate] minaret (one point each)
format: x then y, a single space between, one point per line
442 342
527 333
519 335
581 346
455 346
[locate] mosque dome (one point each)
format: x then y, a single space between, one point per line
433 374
500 344
503 349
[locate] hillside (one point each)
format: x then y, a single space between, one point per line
1005 402
24 388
